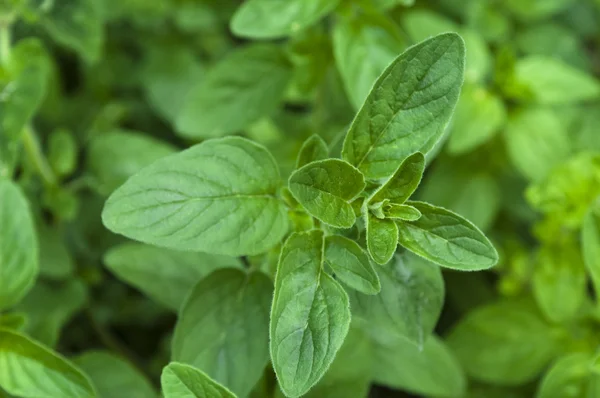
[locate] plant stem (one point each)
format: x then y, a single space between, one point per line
37 158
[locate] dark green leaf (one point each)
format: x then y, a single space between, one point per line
401 185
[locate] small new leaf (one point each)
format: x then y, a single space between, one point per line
217 197
405 180
401 212
382 238
447 239
183 381
325 189
350 264
310 315
314 148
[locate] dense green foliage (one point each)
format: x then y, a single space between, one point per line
299 198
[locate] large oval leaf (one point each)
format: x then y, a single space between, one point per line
310 315
18 245
223 328
409 106
31 370
217 197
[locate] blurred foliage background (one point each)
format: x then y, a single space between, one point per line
105 87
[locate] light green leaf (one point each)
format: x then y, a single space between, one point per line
401 212
479 59
405 180
76 24
218 197
267 19
31 370
569 377
552 82
55 260
432 370
409 107
243 87
113 376
505 343
19 263
479 116
559 281
528 10
223 328
409 304
363 48
310 315
314 148
129 152
387 4
447 239
167 276
351 264
590 240
325 189
49 306
382 238
62 152
420 24
536 142
183 381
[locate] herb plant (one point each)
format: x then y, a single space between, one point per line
270 199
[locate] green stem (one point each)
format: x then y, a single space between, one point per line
4 43
36 156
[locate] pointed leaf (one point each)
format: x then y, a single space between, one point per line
351 264
183 381
401 212
217 197
314 148
382 238
325 189
405 180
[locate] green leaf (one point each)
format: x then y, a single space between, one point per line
351 264
31 370
183 381
382 238
218 197
243 87
405 180
363 48
409 304
431 371
166 276
50 306
267 19
569 377
325 189
536 142
559 281
590 240
310 315
55 260
76 24
447 239
113 376
223 328
505 343
313 149
387 4
129 152
62 152
528 10
421 24
401 212
408 108
479 116
19 263
13 320
552 82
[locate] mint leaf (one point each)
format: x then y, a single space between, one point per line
382 238
570 376
166 276
314 148
552 82
31 370
310 316
447 239
130 152
113 376
267 19
409 304
405 180
217 197
223 328
351 264
590 240
408 108
248 83
182 381
325 189
19 263
431 371
504 343
401 212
